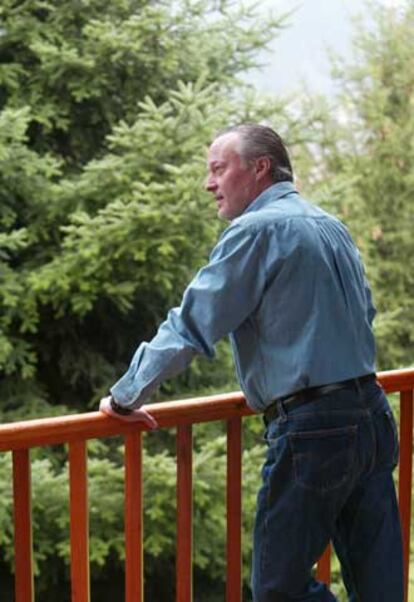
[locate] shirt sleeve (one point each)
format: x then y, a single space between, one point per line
220 297
371 310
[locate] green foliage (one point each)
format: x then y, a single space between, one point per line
106 509
105 113
6 534
83 66
365 170
106 110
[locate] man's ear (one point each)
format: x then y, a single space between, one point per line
263 167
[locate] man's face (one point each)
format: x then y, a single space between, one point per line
232 183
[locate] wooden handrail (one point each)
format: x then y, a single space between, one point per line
78 428
93 425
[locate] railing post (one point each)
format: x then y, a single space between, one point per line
323 569
133 518
184 572
79 523
405 477
24 590
234 511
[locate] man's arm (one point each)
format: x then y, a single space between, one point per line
216 302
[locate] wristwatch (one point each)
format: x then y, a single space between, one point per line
119 409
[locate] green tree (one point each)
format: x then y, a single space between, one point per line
365 168
82 67
105 111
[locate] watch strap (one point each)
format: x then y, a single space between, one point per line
119 409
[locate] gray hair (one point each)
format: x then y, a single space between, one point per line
261 141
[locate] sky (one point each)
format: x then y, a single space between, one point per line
299 53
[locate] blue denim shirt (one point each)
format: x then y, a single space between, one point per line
286 283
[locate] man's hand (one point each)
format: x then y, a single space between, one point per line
140 415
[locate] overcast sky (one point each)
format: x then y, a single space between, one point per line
300 52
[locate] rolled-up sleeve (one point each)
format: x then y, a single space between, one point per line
220 297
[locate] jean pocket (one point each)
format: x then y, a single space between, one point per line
273 432
324 460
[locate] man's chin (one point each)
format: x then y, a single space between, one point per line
223 214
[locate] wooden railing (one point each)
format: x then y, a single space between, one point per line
77 429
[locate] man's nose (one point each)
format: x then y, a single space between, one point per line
210 184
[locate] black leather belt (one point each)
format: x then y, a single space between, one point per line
295 400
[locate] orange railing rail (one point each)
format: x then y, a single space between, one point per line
75 430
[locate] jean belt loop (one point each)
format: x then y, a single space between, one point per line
281 411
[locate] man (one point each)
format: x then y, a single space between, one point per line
286 283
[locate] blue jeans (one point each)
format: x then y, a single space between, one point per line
328 476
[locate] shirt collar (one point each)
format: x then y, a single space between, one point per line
273 193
